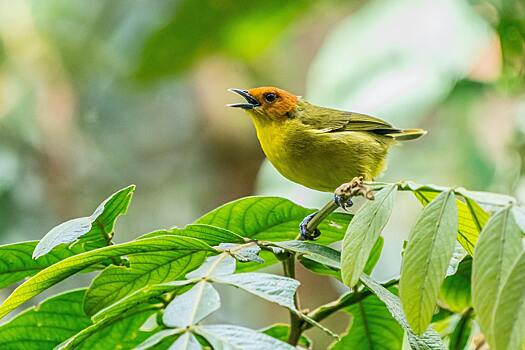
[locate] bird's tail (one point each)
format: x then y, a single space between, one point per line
407 134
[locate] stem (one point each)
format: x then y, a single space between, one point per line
106 236
322 214
295 321
346 300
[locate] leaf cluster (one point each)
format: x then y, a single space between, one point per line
463 263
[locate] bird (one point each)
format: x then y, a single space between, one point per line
318 147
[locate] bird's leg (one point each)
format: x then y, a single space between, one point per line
344 193
305 234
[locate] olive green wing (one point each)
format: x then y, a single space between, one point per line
363 122
332 120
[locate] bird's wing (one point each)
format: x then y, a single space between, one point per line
333 120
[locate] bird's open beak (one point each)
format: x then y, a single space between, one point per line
252 101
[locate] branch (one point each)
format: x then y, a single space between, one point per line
346 300
296 322
342 196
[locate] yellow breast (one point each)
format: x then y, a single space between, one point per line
319 160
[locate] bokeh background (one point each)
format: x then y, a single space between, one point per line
96 95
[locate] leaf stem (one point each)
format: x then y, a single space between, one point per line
296 323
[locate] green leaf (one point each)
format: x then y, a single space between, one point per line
315 257
46 325
281 331
320 268
206 233
455 291
67 267
187 341
509 315
429 340
333 268
489 199
477 213
426 258
274 288
313 251
115 282
471 217
17 263
214 265
272 219
374 256
157 338
96 230
372 327
140 297
192 307
363 232
499 245
117 333
235 337
210 234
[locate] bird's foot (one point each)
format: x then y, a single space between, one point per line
344 193
343 201
305 234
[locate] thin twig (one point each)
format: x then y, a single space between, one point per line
322 214
296 322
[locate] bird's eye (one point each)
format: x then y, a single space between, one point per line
270 97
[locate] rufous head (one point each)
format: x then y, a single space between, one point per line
268 101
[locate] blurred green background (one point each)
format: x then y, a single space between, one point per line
95 95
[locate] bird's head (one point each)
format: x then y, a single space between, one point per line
267 101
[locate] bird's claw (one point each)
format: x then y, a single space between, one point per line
305 234
343 201
344 193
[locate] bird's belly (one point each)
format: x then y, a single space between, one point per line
323 161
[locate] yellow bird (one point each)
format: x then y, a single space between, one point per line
318 147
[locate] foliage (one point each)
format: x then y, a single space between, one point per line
156 291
